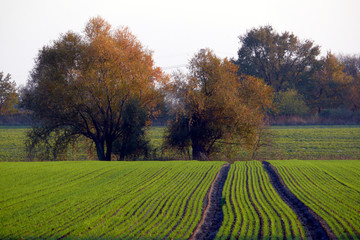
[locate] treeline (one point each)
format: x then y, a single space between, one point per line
308 88
102 85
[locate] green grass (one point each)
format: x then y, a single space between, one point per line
330 188
317 142
295 142
12 146
163 200
126 200
253 208
301 142
12 140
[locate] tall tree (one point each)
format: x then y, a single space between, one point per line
83 85
8 95
352 68
282 60
215 106
330 84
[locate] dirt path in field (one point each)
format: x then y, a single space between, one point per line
315 227
213 216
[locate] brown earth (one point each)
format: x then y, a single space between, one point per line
213 215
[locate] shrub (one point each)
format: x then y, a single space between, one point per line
291 103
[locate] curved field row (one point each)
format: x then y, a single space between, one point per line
252 209
103 200
330 189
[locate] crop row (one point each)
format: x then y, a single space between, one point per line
164 200
253 209
317 142
331 189
103 200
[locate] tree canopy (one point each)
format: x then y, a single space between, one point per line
83 85
282 60
330 83
351 66
304 82
8 95
215 106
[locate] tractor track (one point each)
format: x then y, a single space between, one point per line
213 216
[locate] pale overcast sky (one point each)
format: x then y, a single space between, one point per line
174 30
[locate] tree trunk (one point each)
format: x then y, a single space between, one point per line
197 150
100 150
108 150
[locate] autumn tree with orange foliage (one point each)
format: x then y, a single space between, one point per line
215 107
83 85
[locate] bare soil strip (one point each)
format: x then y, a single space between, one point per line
213 215
315 226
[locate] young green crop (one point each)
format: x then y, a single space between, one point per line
330 188
293 142
252 207
316 142
12 146
103 200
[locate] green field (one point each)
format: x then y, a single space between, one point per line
299 142
253 209
12 146
12 140
164 200
103 200
293 142
330 188
317 142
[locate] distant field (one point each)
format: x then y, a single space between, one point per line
301 142
12 143
103 199
317 142
293 142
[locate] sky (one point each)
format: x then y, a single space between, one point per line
174 29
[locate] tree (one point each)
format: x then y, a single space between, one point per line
352 68
83 85
215 106
282 60
264 139
330 84
8 95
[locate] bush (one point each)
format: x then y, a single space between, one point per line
291 103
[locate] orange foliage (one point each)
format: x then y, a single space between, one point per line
331 83
86 82
217 105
